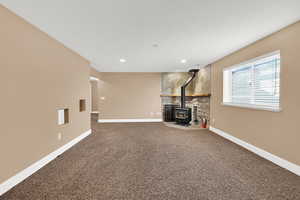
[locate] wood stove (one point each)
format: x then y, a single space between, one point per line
183 115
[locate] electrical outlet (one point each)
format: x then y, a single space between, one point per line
158 113
102 98
59 136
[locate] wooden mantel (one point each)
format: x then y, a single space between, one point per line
192 95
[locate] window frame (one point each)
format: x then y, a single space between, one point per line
243 65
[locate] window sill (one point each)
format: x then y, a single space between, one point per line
252 107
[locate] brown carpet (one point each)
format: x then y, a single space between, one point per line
140 161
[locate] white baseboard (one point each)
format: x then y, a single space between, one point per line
275 159
127 120
19 177
95 112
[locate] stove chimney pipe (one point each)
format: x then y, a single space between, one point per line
193 72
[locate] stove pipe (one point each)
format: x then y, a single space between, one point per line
193 72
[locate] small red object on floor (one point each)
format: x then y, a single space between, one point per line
204 123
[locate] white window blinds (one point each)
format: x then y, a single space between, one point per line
255 83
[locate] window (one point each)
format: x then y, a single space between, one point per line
254 84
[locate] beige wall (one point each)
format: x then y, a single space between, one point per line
277 133
94 89
129 95
94 94
38 75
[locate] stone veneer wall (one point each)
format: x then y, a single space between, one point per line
172 82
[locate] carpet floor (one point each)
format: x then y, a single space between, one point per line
140 161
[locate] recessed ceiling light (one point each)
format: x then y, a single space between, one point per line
183 61
122 60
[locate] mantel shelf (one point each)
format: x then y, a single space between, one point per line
193 95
